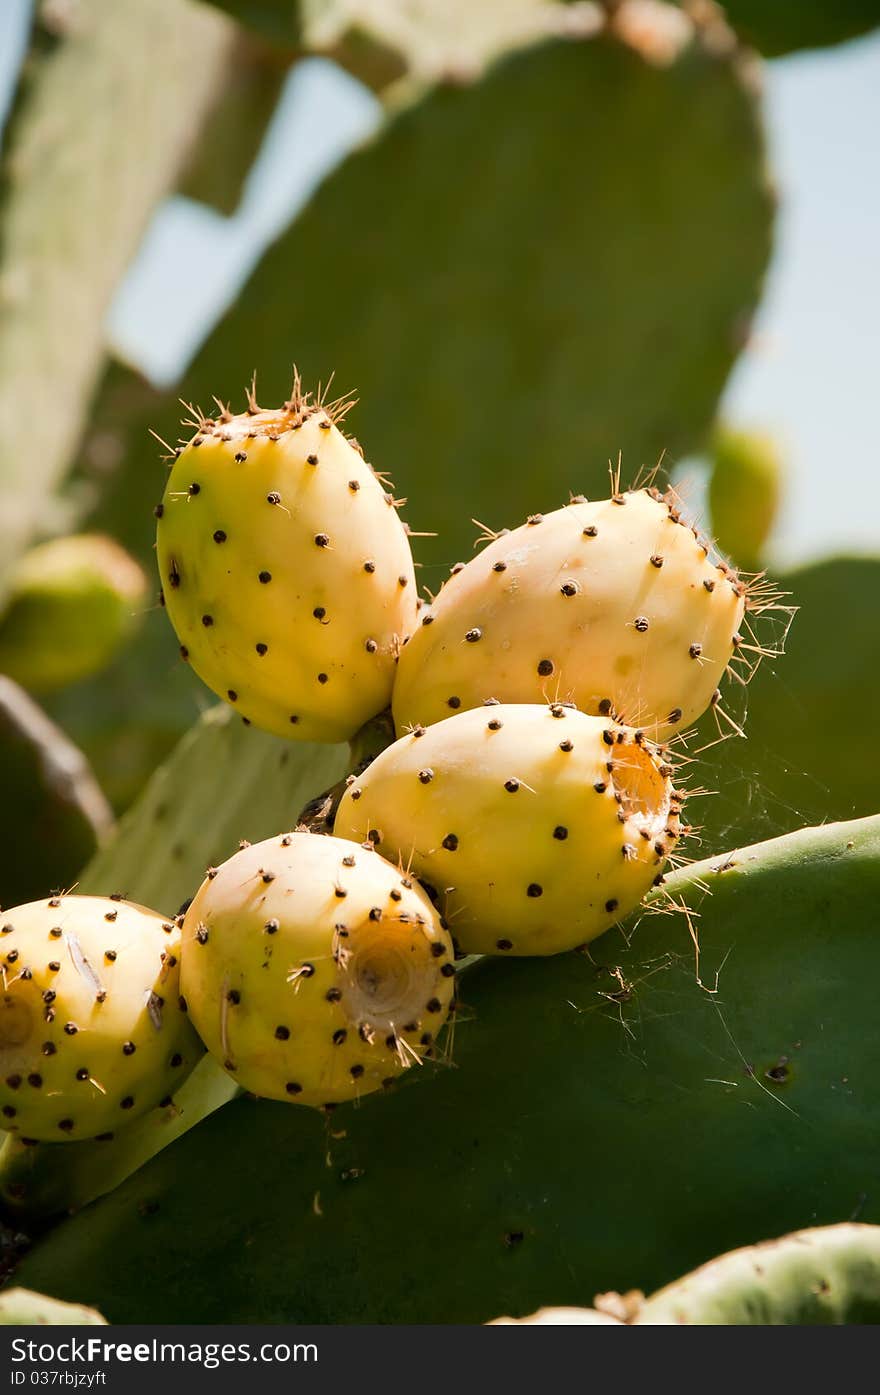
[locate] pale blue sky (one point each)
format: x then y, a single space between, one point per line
811 373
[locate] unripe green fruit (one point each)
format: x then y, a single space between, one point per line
615 606
315 971
538 827
72 603
745 491
93 1033
286 571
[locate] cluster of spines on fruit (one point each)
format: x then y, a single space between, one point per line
540 702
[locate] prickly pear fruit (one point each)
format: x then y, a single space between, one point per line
20 1307
72 603
285 570
93 1032
616 606
826 1275
314 970
538 827
745 491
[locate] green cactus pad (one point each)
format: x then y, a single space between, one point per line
776 27
805 758
830 1275
610 1124
224 782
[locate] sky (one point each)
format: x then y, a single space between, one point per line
810 374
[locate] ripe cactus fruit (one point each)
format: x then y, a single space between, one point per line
93 1032
616 606
539 827
314 970
285 570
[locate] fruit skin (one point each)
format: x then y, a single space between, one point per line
73 603
521 818
285 570
616 606
314 970
92 1030
823 1276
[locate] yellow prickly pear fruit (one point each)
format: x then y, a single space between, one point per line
93 1032
314 970
538 827
616 606
286 571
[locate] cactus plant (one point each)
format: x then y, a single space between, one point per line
552 282
565 1067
